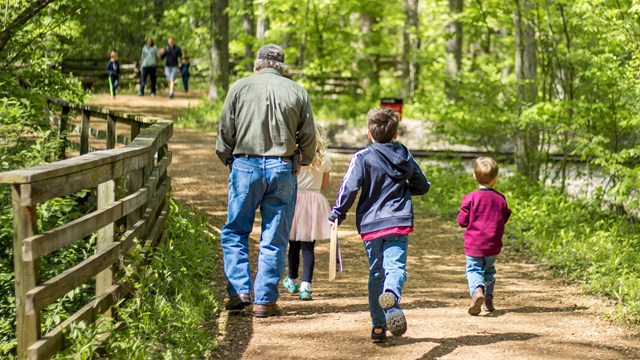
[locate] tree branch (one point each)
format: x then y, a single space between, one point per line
21 20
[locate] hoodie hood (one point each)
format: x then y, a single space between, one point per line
394 158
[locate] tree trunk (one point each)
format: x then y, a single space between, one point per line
19 21
410 48
219 77
263 23
454 49
248 22
527 152
369 65
305 38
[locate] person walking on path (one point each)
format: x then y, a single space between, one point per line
113 70
149 63
184 71
309 221
388 176
484 212
266 119
171 53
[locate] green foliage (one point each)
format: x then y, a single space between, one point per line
172 312
548 225
204 116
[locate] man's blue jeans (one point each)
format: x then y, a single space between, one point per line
480 273
268 184
387 271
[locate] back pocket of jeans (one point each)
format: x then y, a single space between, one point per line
239 181
286 182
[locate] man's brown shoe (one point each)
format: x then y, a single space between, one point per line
476 302
238 302
488 304
263 311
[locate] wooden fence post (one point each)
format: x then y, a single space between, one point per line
64 121
106 236
26 272
111 132
84 135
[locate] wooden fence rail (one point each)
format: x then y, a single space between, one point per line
142 164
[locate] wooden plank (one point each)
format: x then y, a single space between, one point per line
56 287
84 135
43 190
135 130
42 244
70 166
53 341
106 235
26 273
52 240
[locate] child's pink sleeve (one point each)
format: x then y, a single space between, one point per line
463 216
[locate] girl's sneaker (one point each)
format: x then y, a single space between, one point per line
290 285
305 295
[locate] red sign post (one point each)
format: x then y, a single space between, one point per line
393 104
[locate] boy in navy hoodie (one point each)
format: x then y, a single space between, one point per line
387 176
483 212
113 68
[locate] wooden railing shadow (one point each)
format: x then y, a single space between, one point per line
140 212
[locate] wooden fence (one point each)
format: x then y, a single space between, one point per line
142 210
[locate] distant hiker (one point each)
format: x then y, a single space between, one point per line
310 219
149 59
184 71
387 176
483 212
266 118
113 69
171 53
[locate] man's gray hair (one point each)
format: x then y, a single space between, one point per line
264 63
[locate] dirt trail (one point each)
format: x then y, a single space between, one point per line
537 316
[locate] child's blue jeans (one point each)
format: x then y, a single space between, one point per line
480 273
387 271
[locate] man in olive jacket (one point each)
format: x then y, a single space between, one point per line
265 121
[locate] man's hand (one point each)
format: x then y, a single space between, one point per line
333 225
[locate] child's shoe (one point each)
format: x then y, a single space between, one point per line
305 291
379 333
387 300
290 285
488 303
476 302
396 322
305 295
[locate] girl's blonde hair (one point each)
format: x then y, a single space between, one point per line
322 143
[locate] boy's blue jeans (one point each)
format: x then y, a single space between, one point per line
267 183
480 273
387 271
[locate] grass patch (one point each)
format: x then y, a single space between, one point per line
576 237
204 116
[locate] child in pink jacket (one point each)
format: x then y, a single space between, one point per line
483 212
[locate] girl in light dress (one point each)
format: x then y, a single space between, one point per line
310 219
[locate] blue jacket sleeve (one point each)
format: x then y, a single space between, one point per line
348 191
418 182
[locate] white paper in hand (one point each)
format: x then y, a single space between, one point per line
335 258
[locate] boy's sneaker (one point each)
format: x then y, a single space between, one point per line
476 302
387 300
305 295
290 285
396 322
379 333
488 304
